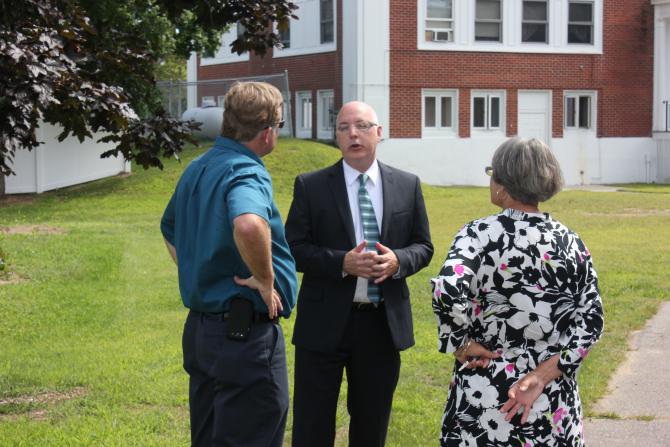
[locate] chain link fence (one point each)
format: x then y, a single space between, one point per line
179 96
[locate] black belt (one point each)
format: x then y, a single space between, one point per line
259 317
367 307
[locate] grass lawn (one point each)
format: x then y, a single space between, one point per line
91 334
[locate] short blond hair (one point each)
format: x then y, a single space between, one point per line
250 107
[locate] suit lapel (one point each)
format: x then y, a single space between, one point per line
339 189
387 192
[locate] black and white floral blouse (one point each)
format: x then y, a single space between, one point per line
521 284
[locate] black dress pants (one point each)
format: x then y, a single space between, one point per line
372 364
238 391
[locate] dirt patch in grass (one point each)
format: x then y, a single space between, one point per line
16 199
10 278
26 405
32 229
47 397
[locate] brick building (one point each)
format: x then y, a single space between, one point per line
452 79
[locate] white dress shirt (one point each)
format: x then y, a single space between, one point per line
374 187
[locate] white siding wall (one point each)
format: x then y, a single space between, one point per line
662 86
365 52
663 171
583 158
661 61
224 54
55 165
306 31
305 36
25 166
192 77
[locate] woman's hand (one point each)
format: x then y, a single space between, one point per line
476 356
524 393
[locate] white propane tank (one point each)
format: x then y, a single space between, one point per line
210 117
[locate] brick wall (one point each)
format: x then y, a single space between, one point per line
622 75
322 71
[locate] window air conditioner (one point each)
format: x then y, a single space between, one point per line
442 36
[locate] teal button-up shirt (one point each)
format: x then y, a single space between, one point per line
227 181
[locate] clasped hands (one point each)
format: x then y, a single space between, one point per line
378 265
525 391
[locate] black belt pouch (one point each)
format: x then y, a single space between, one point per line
240 318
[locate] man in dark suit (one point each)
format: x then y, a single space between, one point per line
356 229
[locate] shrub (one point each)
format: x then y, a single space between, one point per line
4 268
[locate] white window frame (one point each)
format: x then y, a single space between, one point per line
591 23
438 130
593 109
546 23
300 131
500 21
220 100
512 19
487 129
438 33
324 132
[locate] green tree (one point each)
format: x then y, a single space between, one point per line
90 65
171 68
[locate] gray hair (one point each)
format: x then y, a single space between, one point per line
527 169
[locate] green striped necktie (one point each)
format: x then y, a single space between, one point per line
370 230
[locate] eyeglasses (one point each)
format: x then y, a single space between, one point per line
488 171
361 126
279 125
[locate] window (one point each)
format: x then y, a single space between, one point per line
285 35
488 21
578 110
487 111
207 101
440 112
219 100
510 26
306 116
534 23
439 21
327 22
325 113
580 22
303 114
240 30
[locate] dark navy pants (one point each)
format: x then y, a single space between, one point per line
372 365
238 391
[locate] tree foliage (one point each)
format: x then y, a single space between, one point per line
89 66
171 68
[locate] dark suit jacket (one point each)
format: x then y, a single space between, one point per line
320 231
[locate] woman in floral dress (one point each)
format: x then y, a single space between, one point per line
517 301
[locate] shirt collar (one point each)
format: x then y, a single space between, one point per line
230 144
523 215
351 174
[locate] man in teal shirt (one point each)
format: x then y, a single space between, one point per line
224 231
